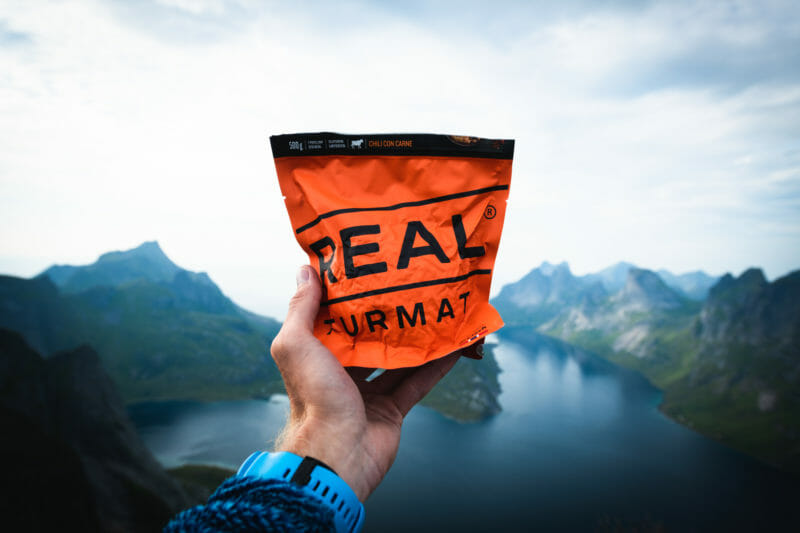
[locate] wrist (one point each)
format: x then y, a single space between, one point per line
335 449
313 479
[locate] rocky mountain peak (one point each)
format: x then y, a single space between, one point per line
150 250
549 269
645 290
751 310
145 262
613 277
751 282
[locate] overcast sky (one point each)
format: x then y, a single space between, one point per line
662 133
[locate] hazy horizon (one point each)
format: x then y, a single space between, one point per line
495 286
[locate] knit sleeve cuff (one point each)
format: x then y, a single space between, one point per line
251 504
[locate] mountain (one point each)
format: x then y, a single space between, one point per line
166 333
729 366
470 391
612 278
645 292
742 386
72 454
549 290
694 285
543 293
34 308
146 262
635 326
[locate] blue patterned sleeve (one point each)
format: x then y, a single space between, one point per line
251 504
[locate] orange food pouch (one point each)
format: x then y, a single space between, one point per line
403 230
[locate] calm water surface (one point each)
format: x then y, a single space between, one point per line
579 446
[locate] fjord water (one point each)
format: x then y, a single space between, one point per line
579 446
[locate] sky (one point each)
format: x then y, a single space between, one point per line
666 134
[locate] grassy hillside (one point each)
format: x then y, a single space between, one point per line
470 390
154 341
729 367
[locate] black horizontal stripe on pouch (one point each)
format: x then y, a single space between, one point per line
402 205
422 144
398 288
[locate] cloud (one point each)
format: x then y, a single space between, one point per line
663 132
186 22
9 37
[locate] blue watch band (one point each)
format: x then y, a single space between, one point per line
313 478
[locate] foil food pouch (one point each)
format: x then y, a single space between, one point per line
403 230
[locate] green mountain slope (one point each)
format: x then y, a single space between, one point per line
157 340
163 332
646 326
166 333
469 392
744 382
729 367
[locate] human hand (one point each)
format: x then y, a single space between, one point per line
349 424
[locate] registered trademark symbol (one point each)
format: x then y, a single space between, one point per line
490 211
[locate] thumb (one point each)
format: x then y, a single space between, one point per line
297 331
304 305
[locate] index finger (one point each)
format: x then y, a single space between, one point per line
420 382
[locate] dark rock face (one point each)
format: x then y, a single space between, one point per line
44 484
751 311
67 410
757 321
34 309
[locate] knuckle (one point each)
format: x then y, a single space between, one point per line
279 347
284 344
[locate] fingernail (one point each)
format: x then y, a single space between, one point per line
302 276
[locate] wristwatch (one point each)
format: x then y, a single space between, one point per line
313 477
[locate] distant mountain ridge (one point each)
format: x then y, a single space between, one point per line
542 293
166 333
729 365
694 285
145 262
612 278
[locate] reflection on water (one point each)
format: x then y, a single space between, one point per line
220 433
579 445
